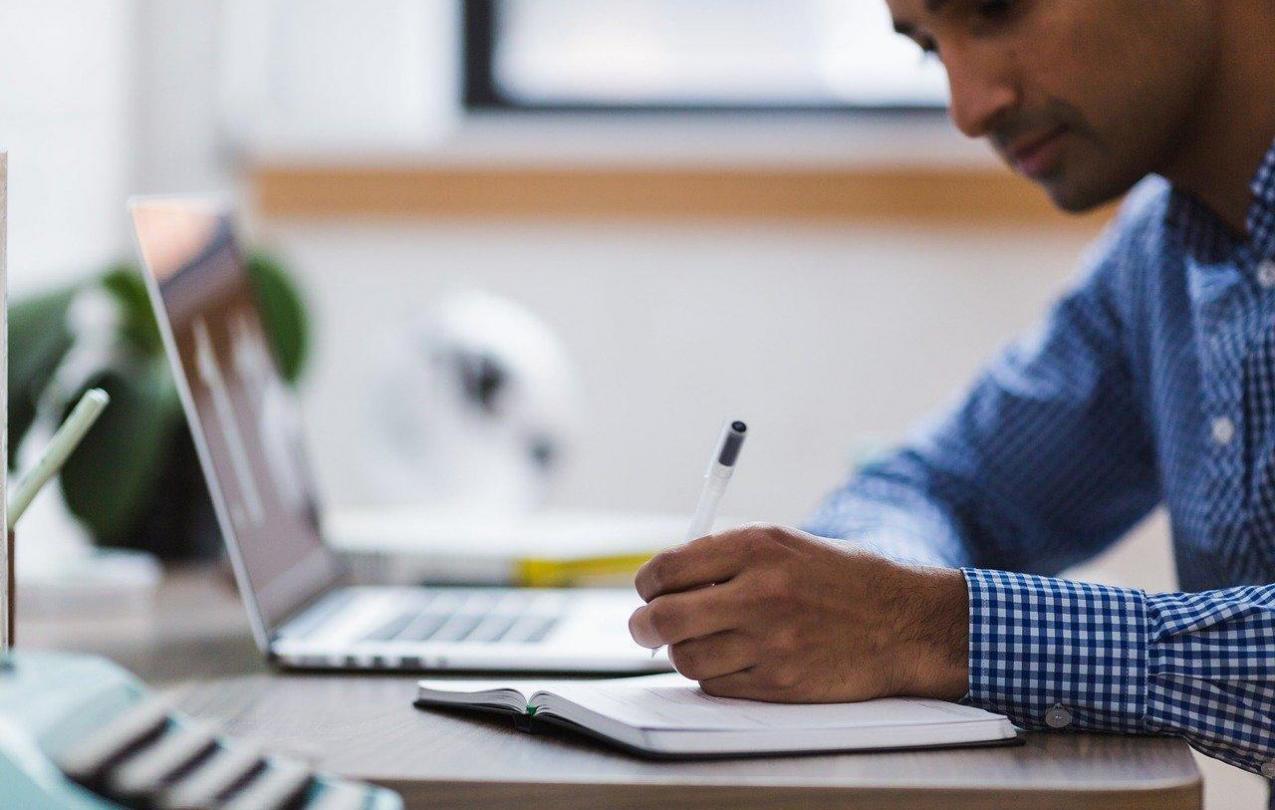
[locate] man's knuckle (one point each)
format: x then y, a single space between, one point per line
755 538
782 676
650 579
687 661
784 642
768 677
756 595
771 586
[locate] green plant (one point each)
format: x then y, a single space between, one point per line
134 482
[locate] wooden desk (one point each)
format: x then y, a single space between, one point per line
365 727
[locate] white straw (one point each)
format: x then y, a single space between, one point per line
59 450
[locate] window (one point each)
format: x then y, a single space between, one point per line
701 55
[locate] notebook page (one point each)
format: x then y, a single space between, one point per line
673 702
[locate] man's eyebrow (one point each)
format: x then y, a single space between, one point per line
931 6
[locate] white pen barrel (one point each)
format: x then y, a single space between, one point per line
706 510
720 466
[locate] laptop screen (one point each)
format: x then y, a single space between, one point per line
242 416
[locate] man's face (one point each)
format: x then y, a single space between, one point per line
1085 97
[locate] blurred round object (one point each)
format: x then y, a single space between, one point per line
471 408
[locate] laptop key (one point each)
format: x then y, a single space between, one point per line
393 627
523 628
493 628
541 630
457 627
423 628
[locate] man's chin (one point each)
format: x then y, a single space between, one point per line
1075 198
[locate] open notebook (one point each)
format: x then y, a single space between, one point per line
668 715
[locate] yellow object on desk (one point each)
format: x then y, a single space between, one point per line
612 570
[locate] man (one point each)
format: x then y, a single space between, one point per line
1152 381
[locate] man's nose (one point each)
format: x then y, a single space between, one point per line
980 94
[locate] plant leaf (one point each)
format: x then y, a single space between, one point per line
112 476
282 314
38 340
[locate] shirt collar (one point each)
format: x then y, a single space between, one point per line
1261 214
1204 235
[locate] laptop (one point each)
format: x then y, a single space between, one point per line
245 423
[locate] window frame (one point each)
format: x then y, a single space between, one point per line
480 27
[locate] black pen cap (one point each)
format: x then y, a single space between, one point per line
732 441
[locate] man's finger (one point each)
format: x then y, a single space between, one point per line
676 617
708 560
748 684
742 684
713 656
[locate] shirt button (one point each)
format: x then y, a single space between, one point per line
1058 716
1268 769
1266 273
1222 430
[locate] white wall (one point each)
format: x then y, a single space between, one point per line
801 331
180 139
66 120
220 79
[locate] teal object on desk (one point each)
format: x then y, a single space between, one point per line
82 733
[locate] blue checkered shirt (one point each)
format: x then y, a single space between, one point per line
1152 381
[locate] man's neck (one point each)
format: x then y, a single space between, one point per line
1234 125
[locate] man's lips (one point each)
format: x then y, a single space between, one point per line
1037 155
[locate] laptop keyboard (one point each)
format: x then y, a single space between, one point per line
471 616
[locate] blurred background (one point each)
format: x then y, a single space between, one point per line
671 214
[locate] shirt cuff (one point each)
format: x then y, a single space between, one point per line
1050 653
1209 674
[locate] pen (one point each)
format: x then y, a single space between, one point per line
720 467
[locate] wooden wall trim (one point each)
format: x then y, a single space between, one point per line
905 196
